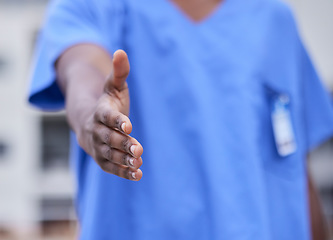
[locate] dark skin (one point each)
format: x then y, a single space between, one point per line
97 100
197 10
97 105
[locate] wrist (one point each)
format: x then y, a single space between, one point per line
80 117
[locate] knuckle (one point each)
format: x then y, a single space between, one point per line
96 116
108 153
125 159
114 169
95 135
125 144
105 117
117 121
107 138
108 167
128 174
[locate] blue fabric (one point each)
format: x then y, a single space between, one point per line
200 98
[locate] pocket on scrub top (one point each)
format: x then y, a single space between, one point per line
279 145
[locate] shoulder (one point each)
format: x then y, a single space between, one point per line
85 6
278 19
278 11
277 6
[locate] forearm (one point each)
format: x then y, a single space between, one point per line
81 75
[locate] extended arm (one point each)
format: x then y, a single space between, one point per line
97 105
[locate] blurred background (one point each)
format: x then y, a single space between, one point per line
36 186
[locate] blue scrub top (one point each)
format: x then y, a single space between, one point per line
201 107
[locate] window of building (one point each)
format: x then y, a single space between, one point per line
55 142
56 209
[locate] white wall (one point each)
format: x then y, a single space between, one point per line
22 183
315 20
18 128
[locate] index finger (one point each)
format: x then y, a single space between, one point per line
114 119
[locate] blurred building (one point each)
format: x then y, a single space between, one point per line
36 187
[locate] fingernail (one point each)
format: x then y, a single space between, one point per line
131 162
133 175
132 149
123 125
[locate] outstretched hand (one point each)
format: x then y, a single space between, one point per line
108 127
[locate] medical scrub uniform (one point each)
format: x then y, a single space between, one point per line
201 105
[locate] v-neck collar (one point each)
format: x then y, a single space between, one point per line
211 16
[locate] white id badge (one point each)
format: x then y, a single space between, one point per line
282 125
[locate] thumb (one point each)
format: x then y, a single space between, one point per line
120 71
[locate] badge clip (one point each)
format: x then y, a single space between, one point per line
282 125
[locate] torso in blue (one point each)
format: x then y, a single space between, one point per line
200 96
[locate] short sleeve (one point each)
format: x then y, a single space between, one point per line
317 106
67 23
